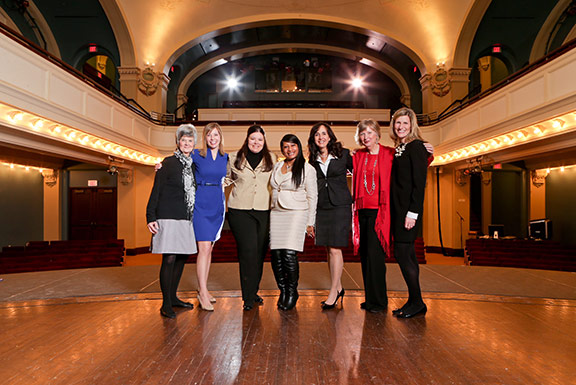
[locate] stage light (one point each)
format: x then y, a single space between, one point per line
357 83
232 83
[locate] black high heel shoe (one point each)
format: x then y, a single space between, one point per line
326 306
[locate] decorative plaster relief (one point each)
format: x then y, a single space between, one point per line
148 81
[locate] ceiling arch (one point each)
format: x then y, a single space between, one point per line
467 33
371 61
540 43
370 35
124 39
369 48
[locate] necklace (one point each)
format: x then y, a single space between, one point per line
373 187
400 150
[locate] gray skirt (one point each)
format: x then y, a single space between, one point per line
175 236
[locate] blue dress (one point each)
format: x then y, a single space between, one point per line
209 204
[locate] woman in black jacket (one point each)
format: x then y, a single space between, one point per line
169 216
334 213
407 200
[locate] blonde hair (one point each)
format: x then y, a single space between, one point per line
414 129
207 129
363 126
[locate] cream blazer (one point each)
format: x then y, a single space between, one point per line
286 196
251 187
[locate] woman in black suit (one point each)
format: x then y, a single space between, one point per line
334 214
407 197
169 217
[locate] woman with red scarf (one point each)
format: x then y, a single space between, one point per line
371 227
371 222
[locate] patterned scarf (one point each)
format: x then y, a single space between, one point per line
188 180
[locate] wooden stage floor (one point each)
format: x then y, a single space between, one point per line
466 338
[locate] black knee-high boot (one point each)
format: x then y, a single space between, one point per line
292 275
279 274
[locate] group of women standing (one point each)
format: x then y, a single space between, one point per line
282 202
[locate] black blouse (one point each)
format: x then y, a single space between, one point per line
168 199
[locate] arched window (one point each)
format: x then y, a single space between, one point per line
101 69
488 70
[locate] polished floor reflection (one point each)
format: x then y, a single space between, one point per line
122 339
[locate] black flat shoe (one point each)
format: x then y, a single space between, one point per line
168 313
409 313
187 305
247 307
259 300
400 309
376 309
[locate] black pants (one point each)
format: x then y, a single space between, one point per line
250 229
372 257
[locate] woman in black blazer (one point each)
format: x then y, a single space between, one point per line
169 217
407 200
334 214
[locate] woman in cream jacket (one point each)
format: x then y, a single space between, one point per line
294 198
249 171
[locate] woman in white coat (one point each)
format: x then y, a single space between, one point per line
294 198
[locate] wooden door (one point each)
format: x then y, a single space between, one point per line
93 213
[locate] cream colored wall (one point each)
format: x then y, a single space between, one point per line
537 201
160 29
453 198
132 201
53 212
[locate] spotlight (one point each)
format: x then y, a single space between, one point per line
232 83
357 83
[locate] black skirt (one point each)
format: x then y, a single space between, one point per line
333 226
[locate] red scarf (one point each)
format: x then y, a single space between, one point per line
382 226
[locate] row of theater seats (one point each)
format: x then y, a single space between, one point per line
225 251
59 255
529 254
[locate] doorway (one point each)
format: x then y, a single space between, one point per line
93 213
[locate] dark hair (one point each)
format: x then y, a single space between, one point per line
241 154
298 165
334 146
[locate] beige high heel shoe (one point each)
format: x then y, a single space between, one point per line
204 306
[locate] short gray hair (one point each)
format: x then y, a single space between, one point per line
186 130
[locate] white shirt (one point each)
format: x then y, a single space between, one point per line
324 165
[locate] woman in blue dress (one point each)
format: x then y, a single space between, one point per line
208 218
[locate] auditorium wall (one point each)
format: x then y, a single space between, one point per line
560 193
132 201
21 206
